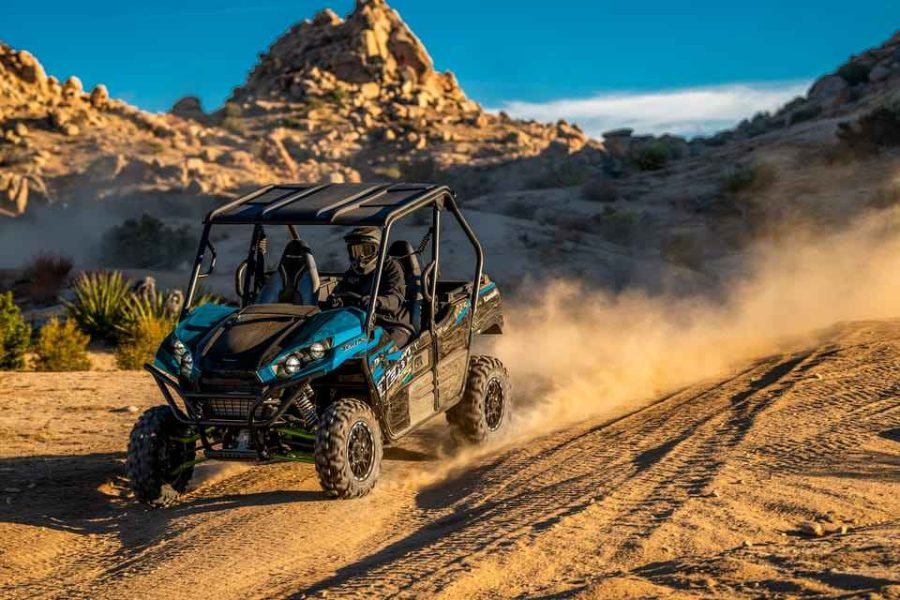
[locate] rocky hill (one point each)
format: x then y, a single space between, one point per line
332 100
359 98
62 144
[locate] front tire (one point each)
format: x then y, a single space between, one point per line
483 413
156 458
348 449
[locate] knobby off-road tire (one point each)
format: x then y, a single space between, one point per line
348 449
484 411
153 455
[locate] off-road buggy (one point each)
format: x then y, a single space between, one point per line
265 380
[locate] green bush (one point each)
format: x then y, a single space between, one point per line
873 131
421 170
15 334
619 227
390 173
652 158
806 113
141 342
100 303
336 96
147 243
855 72
61 346
753 177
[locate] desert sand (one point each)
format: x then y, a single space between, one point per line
777 478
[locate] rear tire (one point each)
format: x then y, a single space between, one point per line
154 456
484 411
348 449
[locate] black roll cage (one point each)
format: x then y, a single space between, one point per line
341 212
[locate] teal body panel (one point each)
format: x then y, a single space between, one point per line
344 328
197 324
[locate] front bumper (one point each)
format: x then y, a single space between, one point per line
260 409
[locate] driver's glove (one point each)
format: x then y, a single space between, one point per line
365 300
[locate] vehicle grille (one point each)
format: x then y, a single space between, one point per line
228 408
243 385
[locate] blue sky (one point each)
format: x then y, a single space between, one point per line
657 65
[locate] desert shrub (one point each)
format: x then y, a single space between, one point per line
751 177
855 72
420 170
231 118
139 345
61 346
619 227
99 304
46 274
154 147
141 306
15 334
877 129
336 96
147 318
393 173
652 157
600 189
233 125
146 243
806 113
759 124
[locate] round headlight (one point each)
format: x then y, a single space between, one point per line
187 364
317 351
178 349
292 364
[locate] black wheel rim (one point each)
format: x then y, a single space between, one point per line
493 405
172 456
361 450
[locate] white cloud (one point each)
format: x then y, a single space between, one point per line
687 111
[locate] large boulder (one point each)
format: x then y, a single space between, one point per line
190 108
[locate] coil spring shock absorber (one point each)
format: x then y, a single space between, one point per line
307 407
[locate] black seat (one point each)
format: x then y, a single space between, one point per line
296 280
405 255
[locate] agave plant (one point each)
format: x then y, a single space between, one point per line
146 307
99 303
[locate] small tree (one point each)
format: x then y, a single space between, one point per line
15 334
61 346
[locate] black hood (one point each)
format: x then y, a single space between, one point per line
251 337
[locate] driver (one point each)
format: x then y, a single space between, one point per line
390 305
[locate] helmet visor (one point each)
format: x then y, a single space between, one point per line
362 252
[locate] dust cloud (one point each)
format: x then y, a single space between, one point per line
574 354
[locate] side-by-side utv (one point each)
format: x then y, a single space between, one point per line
317 379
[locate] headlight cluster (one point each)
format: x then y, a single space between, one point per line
182 357
295 361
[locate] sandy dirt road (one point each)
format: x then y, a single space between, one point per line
703 493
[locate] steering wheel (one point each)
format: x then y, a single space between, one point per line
352 296
427 275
